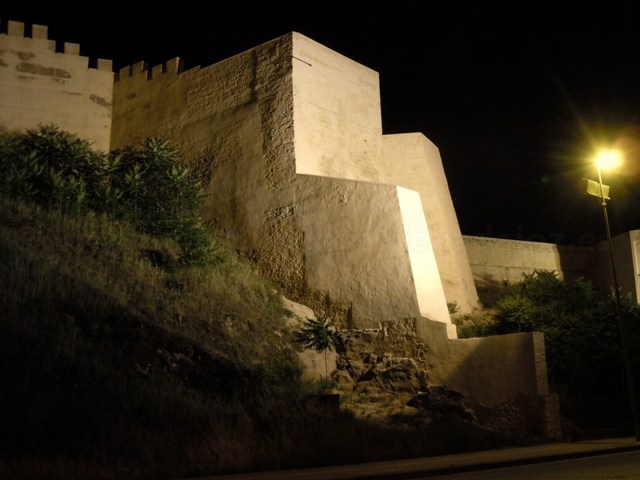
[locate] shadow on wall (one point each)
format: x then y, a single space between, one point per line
626 248
568 261
496 260
490 290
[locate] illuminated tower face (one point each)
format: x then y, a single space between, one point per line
302 177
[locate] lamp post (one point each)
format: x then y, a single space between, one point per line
606 160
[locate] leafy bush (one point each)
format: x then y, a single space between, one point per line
583 347
580 328
145 186
47 166
476 324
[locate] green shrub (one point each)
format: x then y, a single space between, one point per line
583 347
145 186
477 324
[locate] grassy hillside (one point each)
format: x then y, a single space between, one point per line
108 359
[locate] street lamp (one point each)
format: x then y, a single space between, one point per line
607 160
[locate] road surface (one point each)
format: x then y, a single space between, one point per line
619 466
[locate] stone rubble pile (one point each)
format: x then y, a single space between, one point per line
383 375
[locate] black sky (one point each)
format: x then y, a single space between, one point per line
515 94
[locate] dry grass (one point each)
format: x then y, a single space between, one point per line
113 362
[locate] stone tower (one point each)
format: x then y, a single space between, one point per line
304 181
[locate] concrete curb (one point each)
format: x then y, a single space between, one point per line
506 461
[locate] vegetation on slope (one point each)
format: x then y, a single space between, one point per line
145 187
109 358
582 338
120 349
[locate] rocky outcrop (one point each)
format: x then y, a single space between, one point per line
378 371
441 402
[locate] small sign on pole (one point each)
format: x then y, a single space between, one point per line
593 188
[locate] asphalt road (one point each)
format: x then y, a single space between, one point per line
602 467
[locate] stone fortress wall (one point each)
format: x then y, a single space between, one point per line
47 86
498 259
302 180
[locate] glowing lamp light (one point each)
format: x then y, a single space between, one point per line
608 159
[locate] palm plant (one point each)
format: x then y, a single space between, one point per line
320 335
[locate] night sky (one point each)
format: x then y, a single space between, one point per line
516 94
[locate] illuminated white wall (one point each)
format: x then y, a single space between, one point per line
39 85
299 179
336 111
426 276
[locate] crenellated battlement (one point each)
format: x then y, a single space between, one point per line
16 36
141 70
44 81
